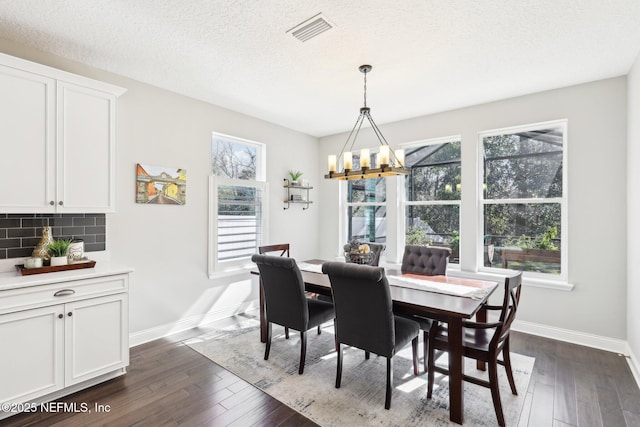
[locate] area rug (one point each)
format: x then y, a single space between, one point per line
360 400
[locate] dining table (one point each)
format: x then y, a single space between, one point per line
443 298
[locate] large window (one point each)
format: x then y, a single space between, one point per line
366 207
432 208
237 199
523 198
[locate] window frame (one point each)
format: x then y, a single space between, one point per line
563 201
404 202
215 267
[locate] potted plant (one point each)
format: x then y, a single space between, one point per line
58 251
295 175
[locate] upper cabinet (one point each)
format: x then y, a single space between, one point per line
58 140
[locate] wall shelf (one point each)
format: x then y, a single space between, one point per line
297 194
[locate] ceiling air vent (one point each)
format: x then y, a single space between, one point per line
311 27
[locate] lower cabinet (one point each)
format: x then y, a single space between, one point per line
50 351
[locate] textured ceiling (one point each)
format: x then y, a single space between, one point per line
427 55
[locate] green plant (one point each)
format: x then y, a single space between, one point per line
59 247
295 175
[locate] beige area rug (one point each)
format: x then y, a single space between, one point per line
360 399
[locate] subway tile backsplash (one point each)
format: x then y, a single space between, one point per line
20 233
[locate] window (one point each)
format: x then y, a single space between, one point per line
432 206
237 201
523 198
366 207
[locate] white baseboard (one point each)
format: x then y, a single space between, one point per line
157 332
634 365
574 337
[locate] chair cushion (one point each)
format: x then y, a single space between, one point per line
425 260
319 312
406 330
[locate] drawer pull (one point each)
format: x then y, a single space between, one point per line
64 292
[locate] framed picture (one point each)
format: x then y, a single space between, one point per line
161 185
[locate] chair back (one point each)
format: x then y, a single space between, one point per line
283 248
285 302
425 260
376 250
512 287
363 306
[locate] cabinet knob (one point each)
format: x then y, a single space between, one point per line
52 203
69 314
60 316
60 203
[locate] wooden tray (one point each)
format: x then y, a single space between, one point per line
28 271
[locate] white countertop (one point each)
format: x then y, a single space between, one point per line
13 279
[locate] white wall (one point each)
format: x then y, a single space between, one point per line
596 114
167 245
633 215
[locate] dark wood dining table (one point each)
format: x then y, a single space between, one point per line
438 306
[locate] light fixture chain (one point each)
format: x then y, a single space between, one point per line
365 89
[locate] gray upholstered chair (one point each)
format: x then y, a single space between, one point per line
286 303
365 319
483 342
425 261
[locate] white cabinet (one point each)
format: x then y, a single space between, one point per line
58 140
58 338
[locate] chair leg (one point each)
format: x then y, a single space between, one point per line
303 351
339 371
268 339
425 350
319 330
367 354
286 333
387 398
507 365
430 373
495 391
414 348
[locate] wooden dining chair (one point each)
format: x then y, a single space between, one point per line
283 250
286 303
425 261
365 319
483 342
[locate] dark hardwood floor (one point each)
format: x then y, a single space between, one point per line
168 384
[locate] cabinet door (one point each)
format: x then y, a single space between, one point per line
85 149
32 353
96 337
27 138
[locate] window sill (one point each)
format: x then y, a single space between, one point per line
232 271
533 282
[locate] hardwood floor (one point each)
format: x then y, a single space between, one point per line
168 384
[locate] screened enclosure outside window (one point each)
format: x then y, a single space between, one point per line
366 207
238 198
523 198
432 206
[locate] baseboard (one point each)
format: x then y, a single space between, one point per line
157 332
634 365
574 337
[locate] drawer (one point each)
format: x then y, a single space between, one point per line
60 293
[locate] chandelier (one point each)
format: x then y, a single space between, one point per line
387 162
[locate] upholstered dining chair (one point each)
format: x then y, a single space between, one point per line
483 342
283 250
365 319
425 261
286 303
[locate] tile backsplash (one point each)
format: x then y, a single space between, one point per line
20 233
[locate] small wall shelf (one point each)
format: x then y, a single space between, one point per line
296 194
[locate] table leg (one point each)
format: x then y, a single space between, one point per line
456 371
263 320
